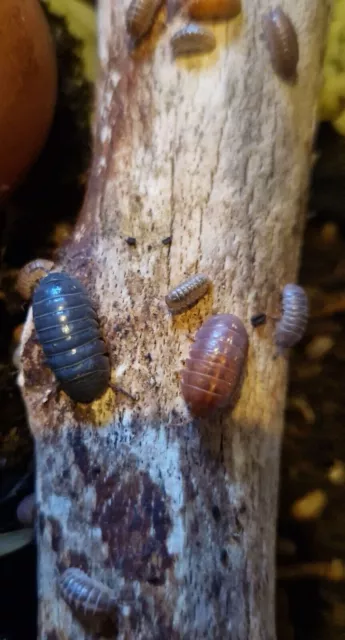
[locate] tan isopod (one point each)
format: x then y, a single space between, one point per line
30 275
86 595
282 43
192 39
291 327
213 9
140 16
186 294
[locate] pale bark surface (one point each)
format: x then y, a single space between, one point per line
178 515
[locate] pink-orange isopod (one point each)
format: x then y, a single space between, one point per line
213 373
213 9
30 275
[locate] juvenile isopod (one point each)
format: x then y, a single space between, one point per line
282 43
213 9
67 328
187 293
213 373
30 275
293 322
140 16
192 39
86 595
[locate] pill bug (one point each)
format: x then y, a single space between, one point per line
140 16
213 373
213 9
282 44
293 322
86 595
192 39
26 510
30 275
68 330
187 293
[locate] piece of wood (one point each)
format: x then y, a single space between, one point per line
177 515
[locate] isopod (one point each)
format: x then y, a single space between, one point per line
140 16
30 275
26 510
213 9
282 44
213 373
68 330
293 322
187 293
86 595
192 39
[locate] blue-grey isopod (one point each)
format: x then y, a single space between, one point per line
68 330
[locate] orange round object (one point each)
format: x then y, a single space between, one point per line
213 9
28 81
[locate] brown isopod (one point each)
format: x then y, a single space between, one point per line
293 322
213 9
213 373
192 39
140 16
86 595
282 43
30 275
186 294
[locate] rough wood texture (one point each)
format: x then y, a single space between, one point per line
178 515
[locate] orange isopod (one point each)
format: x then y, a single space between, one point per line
30 275
213 9
213 373
140 16
192 39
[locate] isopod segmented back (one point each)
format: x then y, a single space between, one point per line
68 330
140 16
30 275
295 308
213 373
187 293
192 39
282 44
85 594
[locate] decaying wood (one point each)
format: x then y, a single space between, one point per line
177 515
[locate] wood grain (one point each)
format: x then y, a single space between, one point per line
178 515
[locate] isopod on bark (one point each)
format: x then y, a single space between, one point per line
86 595
192 39
213 373
291 327
30 275
213 9
140 16
26 510
68 330
186 294
282 43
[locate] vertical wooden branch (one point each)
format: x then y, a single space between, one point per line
178 515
